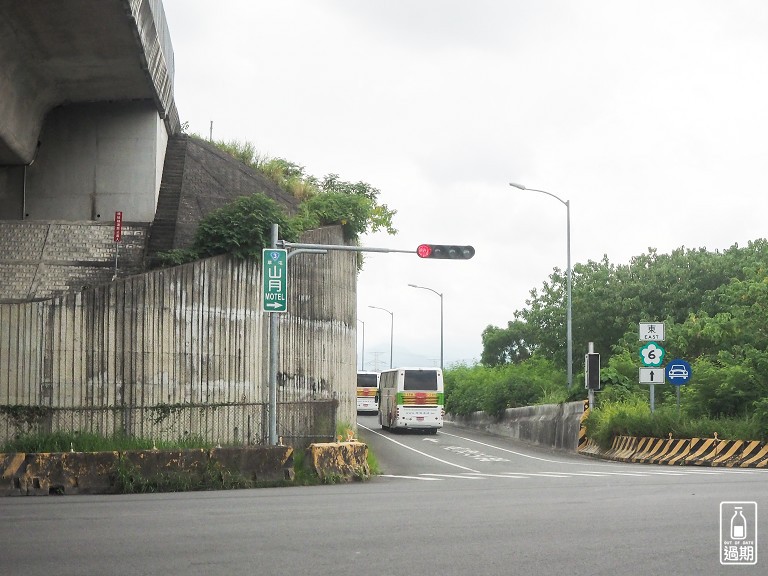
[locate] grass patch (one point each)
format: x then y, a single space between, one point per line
633 417
127 479
66 441
373 463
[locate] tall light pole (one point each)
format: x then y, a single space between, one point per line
362 351
441 318
569 326
391 330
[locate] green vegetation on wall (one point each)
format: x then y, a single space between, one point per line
243 227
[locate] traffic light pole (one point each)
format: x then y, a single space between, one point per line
274 320
590 390
274 336
274 343
338 247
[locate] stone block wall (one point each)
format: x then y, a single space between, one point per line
40 260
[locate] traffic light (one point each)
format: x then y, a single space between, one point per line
592 371
445 251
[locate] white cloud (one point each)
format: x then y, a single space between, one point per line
649 116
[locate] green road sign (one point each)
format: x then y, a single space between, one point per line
274 263
652 354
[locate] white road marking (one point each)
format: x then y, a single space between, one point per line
476 476
507 450
505 475
531 475
406 477
417 451
543 474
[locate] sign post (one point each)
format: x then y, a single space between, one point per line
275 298
651 354
117 237
678 372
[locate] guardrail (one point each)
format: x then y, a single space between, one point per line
682 451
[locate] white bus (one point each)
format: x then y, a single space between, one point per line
412 398
367 391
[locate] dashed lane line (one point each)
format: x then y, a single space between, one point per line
528 475
414 449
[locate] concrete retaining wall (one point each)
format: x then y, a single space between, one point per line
184 350
552 425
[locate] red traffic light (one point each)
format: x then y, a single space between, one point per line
445 251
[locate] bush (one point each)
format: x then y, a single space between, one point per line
634 418
243 228
493 389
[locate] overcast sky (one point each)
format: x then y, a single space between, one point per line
650 117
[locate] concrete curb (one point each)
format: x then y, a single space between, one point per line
38 474
339 460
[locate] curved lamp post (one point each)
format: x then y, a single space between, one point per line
441 318
569 333
391 330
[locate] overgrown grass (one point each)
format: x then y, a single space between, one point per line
129 480
633 417
66 441
373 463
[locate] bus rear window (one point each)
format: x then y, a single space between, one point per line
420 380
366 380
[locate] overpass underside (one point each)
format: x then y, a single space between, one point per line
86 108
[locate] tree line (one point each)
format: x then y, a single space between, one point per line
715 308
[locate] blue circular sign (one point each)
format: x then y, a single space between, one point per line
678 372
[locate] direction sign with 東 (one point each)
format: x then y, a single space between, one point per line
653 331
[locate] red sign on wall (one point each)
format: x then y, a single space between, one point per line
118 226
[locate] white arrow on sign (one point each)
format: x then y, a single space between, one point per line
273 305
652 376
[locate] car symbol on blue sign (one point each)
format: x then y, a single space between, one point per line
678 372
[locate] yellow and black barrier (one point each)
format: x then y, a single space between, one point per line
681 451
754 455
676 450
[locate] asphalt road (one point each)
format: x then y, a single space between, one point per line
457 503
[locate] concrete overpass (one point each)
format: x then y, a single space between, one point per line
86 108
89 127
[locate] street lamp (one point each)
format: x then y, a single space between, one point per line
441 318
362 351
391 330
569 327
